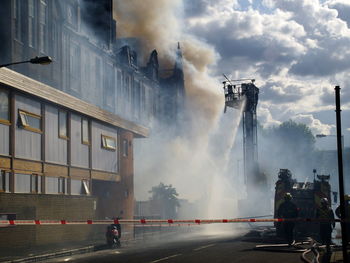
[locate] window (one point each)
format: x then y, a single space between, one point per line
51 185
109 88
108 142
23 183
80 187
61 185
4 181
31 23
29 121
119 95
17 19
54 33
74 67
4 107
136 99
42 26
35 183
143 99
125 148
98 78
85 131
72 15
62 124
86 187
75 186
126 93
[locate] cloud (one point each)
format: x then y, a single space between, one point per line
265 118
266 39
316 126
343 8
277 93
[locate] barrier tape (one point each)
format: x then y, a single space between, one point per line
159 221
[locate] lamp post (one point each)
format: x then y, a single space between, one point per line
37 60
340 173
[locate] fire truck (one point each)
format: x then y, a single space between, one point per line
307 197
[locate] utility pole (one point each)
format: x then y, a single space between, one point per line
341 176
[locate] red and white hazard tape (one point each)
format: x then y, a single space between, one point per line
155 221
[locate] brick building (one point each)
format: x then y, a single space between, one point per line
67 129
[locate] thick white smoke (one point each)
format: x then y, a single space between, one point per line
195 163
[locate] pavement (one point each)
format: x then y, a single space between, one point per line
44 253
218 248
174 247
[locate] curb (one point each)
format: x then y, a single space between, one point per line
54 255
83 250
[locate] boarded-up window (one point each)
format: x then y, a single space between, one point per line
29 121
62 124
4 107
85 138
109 143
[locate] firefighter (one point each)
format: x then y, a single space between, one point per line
327 223
347 214
288 210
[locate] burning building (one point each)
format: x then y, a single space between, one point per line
67 129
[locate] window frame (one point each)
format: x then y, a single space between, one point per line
17 17
105 145
32 23
64 137
4 121
61 185
85 186
24 122
43 21
3 181
82 131
34 178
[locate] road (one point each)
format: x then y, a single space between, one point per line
187 248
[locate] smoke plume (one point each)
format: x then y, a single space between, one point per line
195 164
160 25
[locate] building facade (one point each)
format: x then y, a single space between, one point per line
67 129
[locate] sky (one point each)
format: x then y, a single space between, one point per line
296 50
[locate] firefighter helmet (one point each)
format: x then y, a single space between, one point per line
288 196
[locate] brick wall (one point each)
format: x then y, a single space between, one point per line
33 206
